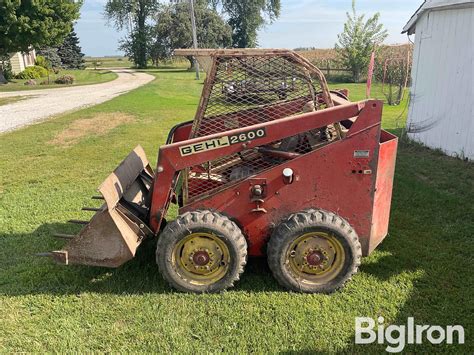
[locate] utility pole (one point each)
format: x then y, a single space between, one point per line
195 41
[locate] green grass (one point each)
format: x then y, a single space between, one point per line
394 117
82 77
108 62
10 100
124 62
423 269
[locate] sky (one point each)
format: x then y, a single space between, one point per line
302 23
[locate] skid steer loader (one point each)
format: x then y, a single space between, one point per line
274 163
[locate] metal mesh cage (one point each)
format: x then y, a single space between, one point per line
247 90
243 90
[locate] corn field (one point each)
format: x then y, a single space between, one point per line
327 60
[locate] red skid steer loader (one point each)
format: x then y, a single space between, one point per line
274 163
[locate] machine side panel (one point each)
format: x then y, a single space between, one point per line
336 178
383 189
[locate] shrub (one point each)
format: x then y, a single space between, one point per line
65 79
34 72
42 62
30 82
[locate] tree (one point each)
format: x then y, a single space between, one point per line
358 40
51 55
246 17
70 52
26 24
133 15
136 47
173 29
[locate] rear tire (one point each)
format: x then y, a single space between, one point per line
314 251
201 251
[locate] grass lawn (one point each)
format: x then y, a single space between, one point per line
124 62
82 77
422 270
108 62
10 100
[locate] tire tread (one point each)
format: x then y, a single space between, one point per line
198 219
309 218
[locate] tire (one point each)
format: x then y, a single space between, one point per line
213 244
310 267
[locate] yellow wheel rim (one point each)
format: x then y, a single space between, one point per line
201 258
315 258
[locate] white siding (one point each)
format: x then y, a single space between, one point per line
441 111
19 61
16 60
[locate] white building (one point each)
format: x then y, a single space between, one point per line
441 112
20 61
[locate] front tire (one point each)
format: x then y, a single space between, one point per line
314 251
201 251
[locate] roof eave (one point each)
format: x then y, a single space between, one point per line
410 27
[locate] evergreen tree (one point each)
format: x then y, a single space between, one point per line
70 52
51 54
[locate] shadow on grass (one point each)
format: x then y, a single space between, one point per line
431 235
25 273
431 238
164 70
103 72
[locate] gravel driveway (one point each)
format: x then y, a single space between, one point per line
41 104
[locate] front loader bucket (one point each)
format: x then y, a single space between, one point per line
114 233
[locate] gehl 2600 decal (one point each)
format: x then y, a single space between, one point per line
221 142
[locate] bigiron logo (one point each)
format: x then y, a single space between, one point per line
397 336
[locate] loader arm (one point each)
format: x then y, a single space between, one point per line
175 157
